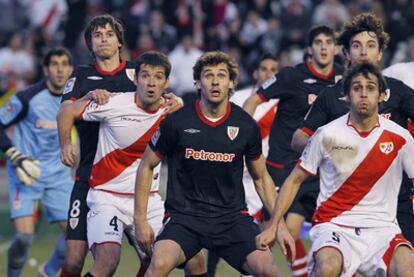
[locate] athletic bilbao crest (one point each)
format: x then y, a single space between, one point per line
386 147
73 222
232 132
130 72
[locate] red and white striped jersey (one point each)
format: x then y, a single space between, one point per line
360 172
264 116
124 132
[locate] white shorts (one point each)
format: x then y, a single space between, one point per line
367 251
110 214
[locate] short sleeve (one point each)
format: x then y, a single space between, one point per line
408 157
254 144
312 155
96 112
163 140
318 114
278 86
72 90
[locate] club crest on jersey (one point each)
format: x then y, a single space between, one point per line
311 98
232 132
93 106
268 82
386 147
387 95
338 78
130 72
73 222
69 85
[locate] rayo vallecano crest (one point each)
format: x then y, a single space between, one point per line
232 132
386 147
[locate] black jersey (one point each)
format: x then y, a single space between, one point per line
85 79
398 105
296 88
205 159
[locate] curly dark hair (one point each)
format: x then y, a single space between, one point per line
364 22
215 58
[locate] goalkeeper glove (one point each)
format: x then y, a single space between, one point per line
27 169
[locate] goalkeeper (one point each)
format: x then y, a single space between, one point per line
35 172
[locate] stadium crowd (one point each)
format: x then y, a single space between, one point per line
245 29
203 51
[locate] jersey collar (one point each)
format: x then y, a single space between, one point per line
206 120
113 72
362 134
317 74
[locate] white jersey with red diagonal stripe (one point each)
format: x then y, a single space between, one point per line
360 173
124 132
264 115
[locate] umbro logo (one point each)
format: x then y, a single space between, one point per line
343 98
95 78
192 131
309 81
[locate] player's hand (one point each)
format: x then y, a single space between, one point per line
173 103
100 96
145 236
265 238
68 155
286 242
27 169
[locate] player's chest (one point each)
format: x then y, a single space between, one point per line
226 138
109 83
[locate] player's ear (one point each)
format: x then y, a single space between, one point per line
197 85
167 83
46 71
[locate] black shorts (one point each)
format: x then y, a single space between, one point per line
305 200
78 211
231 237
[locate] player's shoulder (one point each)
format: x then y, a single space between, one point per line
397 86
392 126
28 93
241 115
335 125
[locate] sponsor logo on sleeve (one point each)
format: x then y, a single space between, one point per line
269 82
69 85
155 137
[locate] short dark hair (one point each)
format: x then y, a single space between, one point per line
266 56
317 30
365 22
215 58
58 51
153 58
364 68
101 21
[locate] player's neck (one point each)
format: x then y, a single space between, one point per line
322 70
53 89
213 110
149 107
108 64
364 124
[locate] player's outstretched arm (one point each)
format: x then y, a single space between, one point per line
68 112
143 231
299 140
251 104
283 201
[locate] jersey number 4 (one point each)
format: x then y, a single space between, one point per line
114 223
